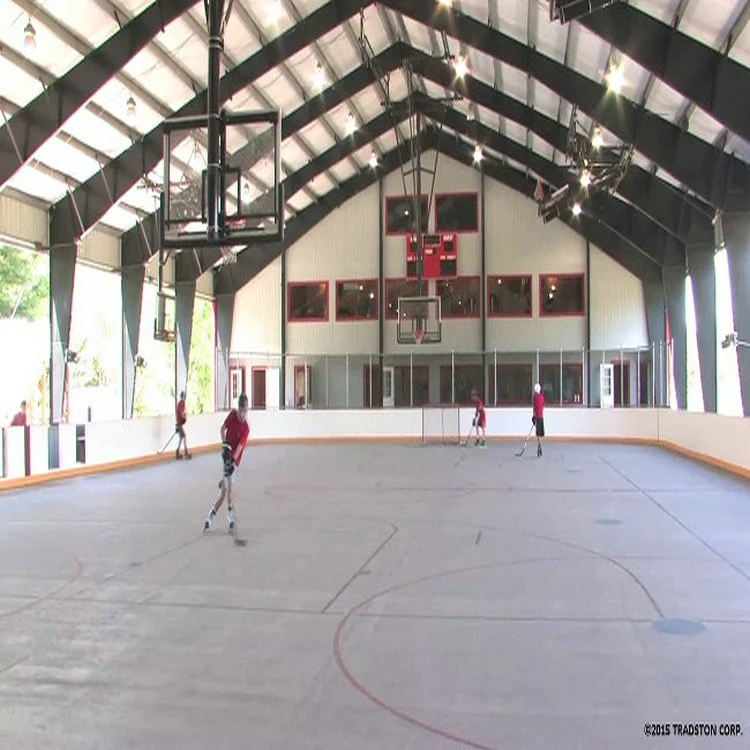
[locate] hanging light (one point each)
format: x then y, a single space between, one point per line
29 36
274 11
576 209
246 193
351 124
447 3
585 178
596 140
131 109
478 155
462 67
320 76
615 78
373 160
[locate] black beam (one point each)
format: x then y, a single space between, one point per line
92 200
702 74
62 269
44 115
617 214
131 284
715 176
654 197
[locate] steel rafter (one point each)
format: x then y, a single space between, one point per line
125 170
41 118
716 177
141 241
705 76
651 195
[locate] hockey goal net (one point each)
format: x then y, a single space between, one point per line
441 424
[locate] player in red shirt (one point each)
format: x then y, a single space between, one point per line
180 418
20 419
234 434
480 419
538 418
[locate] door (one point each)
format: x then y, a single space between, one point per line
374 389
388 394
259 388
621 376
302 386
606 386
236 383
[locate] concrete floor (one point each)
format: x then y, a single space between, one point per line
388 597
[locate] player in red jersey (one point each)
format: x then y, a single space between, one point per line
538 418
19 420
234 434
480 419
180 418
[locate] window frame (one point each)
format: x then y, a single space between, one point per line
453 194
476 368
357 318
492 381
452 280
400 279
294 284
492 279
404 232
567 314
576 366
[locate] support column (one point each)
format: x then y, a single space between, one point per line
62 267
131 285
656 320
224 310
184 304
703 276
674 286
483 281
282 369
736 228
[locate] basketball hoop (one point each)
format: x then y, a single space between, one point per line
418 335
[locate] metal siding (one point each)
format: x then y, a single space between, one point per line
618 308
257 313
100 248
22 220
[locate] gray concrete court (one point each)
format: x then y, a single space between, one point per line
388 597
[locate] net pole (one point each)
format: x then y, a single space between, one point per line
638 376
494 377
583 378
561 377
347 381
453 376
371 404
622 377
411 379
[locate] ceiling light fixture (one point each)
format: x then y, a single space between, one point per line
373 160
596 139
576 209
274 11
585 179
478 155
29 36
615 79
447 3
320 76
351 124
131 109
462 66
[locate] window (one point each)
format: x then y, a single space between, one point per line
468 378
562 295
308 301
395 288
459 298
400 214
512 384
357 300
509 296
420 384
572 383
457 212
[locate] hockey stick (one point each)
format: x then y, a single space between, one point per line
473 427
526 442
167 443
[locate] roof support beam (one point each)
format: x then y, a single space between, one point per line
125 170
704 75
39 120
716 177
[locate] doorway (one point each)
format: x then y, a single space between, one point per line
622 383
259 388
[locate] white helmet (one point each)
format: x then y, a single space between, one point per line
537 388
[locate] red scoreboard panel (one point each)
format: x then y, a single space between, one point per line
440 256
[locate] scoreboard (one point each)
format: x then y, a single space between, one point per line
440 256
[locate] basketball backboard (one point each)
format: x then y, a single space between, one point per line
419 320
250 198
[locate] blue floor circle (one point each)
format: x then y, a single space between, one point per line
679 627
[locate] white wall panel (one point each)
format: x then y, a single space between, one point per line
22 220
257 313
618 308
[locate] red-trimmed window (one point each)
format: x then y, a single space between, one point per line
400 214
459 297
512 383
572 383
562 294
307 301
457 212
357 299
395 288
467 379
509 297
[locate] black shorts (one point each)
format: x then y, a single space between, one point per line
540 427
180 430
